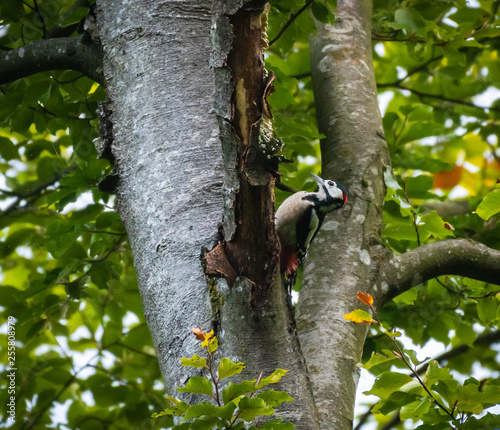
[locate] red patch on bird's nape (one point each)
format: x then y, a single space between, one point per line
344 195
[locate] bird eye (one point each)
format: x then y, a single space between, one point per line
332 184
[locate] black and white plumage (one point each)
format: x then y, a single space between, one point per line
299 219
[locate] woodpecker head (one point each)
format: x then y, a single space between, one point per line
331 194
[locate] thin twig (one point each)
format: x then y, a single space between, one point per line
417 376
463 295
69 81
113 233
105 256
42 20
436 96
36 191
364 417
130 348
293 17
484 339
30 424
286 188
419 68
401 355
302 76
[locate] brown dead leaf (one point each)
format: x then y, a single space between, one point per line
198 332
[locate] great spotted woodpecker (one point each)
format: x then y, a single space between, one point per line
299 219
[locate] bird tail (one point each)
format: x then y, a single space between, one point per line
289 281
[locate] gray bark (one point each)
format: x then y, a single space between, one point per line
181 152
75 53
342 261
169 95
347 255
160 91
460 257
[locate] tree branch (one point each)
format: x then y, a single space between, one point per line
447 257
422 95
75 53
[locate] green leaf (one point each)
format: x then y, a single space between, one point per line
436 374
418 187
432 225
205 423
487 310
100 273
489 421
275 425
8 150
57 376
12 11
490 205
86 215
321 12
251 408
201 409
272 378
227 368
469 399
175 408
465 333
387 383
413 357
197 385
395 401
75 17
275 398
194 361
408 297
415 410
410 19
377 359
225 412
232 391
109 220
213 344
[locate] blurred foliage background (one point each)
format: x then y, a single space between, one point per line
84 355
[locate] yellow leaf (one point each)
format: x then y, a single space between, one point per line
208 336
359 316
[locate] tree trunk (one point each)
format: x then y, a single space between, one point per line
342 259
160 90
183 142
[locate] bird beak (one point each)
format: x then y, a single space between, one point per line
319 180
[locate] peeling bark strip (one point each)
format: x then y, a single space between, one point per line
250 242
